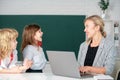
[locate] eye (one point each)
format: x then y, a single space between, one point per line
15 40
86 26
39 31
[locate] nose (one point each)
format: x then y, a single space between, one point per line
42 33
16 42
85 30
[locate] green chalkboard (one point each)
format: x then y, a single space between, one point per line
61 32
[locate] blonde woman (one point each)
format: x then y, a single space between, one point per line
8 52
97 53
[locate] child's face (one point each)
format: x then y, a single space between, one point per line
38 35
14 44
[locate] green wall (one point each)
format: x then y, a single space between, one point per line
61 32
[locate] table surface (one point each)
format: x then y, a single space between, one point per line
37 76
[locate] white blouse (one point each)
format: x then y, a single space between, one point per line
36 55
9 62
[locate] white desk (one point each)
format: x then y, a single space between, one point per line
36 76
46 75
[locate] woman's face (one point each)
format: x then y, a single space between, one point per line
38 35
90 28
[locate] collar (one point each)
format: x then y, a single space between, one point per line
39 43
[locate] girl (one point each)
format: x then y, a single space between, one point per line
31 47
8 52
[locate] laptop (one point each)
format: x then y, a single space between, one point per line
63 63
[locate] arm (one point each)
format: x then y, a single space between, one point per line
90 69
17 69
81 55
28 53
11 70
39 60
108 62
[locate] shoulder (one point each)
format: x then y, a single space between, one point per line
108 42
83 44
28 47
107 46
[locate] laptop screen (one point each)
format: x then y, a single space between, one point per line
63 63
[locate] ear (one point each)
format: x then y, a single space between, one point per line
97 28
33 35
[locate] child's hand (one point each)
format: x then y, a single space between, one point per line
27 63
15 70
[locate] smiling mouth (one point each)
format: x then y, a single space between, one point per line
86 33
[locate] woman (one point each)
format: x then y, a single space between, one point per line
97 53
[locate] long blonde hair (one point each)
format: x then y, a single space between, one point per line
98 21
6 36
28 35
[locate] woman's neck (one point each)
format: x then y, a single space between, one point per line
96 40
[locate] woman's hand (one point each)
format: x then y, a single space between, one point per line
90 69
85 69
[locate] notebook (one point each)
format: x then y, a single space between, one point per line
63 63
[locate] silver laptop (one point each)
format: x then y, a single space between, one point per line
63 63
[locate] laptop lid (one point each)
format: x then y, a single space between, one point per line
63 63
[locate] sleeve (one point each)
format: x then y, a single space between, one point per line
43 55
27 53
44 59
110 60
40 61
79 54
